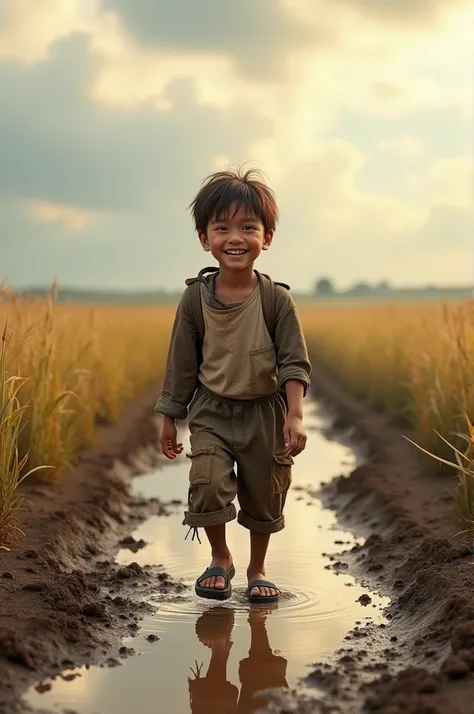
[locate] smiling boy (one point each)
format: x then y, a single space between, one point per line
236 348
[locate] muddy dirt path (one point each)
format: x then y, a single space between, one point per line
195 655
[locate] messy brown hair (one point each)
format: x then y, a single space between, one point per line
222 189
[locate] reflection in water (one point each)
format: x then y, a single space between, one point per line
316 609
261 670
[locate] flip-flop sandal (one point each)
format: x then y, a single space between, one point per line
215 593
262 598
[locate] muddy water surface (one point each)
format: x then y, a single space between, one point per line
214 655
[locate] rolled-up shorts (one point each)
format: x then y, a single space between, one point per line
237 449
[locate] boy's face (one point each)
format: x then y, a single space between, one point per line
237 240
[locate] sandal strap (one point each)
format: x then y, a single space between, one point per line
262 584
217 571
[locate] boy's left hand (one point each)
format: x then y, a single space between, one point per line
294 434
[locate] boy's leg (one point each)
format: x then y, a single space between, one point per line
212 489
212 481
264 477
256 570
220 555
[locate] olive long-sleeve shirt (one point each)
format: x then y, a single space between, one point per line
190 363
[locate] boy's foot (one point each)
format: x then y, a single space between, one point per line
263 592
217 581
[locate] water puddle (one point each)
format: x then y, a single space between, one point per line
219 655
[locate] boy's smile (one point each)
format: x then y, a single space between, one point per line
236 238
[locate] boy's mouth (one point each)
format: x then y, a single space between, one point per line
235 251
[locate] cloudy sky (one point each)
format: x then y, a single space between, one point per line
359 112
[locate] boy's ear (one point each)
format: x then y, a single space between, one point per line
267 240
204 241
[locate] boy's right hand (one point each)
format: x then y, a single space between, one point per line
169 439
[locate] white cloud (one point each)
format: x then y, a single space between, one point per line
73 218
445 181
107 135
404 13
404 147
29 27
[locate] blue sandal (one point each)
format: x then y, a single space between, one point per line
215 593
262 598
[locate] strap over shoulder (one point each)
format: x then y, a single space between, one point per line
194 299
200 276
268 294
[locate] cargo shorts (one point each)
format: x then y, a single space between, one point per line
237 449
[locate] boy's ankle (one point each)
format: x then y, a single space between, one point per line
254 569
221 554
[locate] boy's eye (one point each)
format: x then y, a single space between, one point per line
249 227
220 228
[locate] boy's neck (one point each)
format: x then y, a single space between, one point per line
237 279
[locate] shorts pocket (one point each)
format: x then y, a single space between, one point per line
263 370
281 473
201 465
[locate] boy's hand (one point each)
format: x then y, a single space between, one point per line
168 439
294 434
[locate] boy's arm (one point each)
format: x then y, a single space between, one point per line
182 366
294 396
294 370
293 431
292 353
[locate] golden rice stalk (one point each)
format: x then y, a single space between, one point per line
464 465
12 465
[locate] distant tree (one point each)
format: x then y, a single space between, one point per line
383 288
324 286
361 289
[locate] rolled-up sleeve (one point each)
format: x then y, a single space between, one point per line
182 366
292 352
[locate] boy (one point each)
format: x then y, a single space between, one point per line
229 365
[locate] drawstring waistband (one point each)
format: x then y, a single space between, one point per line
201 389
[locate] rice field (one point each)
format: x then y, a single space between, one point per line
415 363
65 368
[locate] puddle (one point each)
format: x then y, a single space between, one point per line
220 654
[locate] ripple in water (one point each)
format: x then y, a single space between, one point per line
302 605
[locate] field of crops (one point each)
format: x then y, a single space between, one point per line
66 368
63 370
414 363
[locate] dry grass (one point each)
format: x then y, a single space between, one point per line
63 369
12 465
414 362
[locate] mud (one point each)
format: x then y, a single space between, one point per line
60 603
221 655
63 605
423 661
